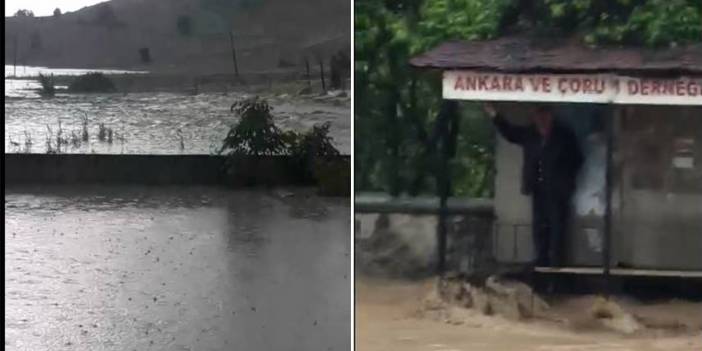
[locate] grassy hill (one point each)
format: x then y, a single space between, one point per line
182 35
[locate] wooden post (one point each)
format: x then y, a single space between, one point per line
14 63
236 65
448 134
321 73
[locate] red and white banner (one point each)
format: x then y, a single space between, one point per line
601 88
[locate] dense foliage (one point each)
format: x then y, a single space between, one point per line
48 87
638 22
396 106
256 134
24 13
93 82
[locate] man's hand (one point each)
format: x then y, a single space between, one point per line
490 109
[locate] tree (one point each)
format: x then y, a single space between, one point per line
636 22
57 12
396 106
24 13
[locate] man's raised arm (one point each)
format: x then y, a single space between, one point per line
513 134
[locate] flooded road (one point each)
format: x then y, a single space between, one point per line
139 268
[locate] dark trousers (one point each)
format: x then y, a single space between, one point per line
550 211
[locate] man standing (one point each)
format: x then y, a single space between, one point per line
552 158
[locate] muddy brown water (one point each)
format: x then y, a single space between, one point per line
388 318
198 268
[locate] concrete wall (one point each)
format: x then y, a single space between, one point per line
405 245
154 169
398 236
512 209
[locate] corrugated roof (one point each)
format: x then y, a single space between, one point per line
529 55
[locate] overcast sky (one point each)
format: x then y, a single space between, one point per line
46 8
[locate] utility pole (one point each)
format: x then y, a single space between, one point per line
236 65
15 58
446 129
321 73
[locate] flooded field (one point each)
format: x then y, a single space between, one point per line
143 268
392 315
33 71
150 122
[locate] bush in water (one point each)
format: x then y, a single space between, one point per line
47 85
257 135
94 82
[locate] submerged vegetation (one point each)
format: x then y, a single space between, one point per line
311 152
94 82
256 134
48 87
58 140
104 133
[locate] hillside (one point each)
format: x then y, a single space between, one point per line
268 34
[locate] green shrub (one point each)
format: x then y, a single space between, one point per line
313 143
47 85
312 150
256 133
312 153
94 82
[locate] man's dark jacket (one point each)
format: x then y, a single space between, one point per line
561 157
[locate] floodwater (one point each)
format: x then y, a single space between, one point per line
151 122
387 319
33 71
199 268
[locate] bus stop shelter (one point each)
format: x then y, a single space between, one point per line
638 116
